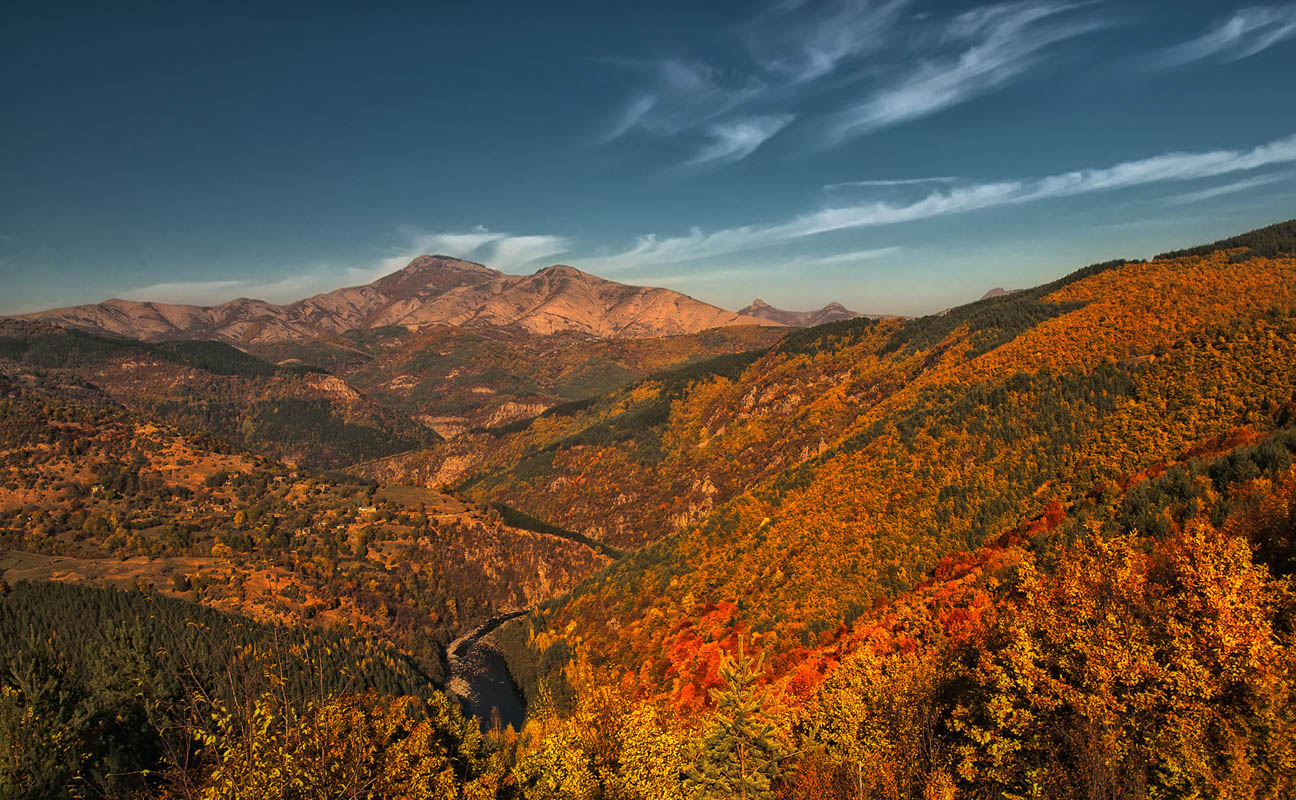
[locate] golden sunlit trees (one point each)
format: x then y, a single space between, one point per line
1132 672
608 747
878 719
349 746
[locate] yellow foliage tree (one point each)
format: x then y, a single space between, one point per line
352 746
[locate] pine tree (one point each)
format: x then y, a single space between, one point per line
741 754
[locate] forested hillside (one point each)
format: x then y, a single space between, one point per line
1123 433
1076 655
1009 405
89 491
293 412
456 380
660 455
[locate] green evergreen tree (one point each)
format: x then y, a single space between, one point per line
741 755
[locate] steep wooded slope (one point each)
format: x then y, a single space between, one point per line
659 455
997 410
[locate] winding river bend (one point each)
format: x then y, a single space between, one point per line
479 675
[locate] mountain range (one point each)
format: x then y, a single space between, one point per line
431 290
437 290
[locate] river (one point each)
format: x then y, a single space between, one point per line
479 675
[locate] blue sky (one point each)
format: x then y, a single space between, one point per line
898 156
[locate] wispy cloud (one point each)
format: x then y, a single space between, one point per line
873 184
184 291
994 46
501 250
631 116
851 257
451 244
1229 188
710 275
512 252
801 42
1248 32
737 139
725 112
497 249
1170 167
682 95
872 63
208 293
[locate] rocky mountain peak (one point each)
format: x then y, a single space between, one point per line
564 271
431 275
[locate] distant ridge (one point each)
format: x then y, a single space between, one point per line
430 290
1271 241
833 312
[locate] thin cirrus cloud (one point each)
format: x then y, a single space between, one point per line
1229 188
1171 167
1246 33
501 250
209 293
736 139
708 276
802 42
183 291
685 95
872 64
725 113
992 47
850 257
883 183
512 252
832 260
631 116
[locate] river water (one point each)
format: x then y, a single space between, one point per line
479 675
